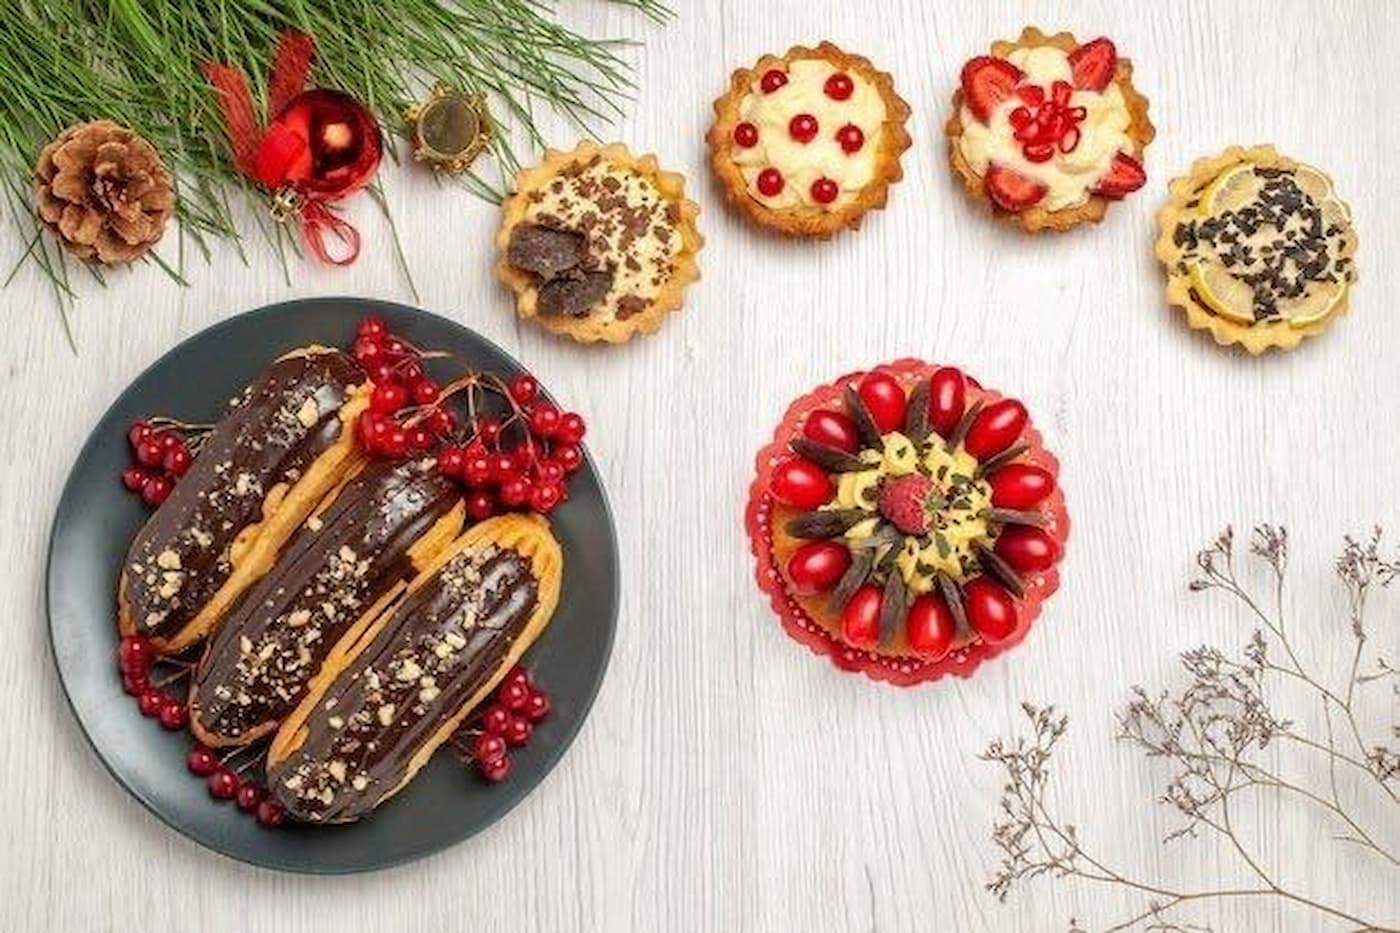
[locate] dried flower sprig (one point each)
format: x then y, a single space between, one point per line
1213 731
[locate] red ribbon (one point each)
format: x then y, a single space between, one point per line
255 146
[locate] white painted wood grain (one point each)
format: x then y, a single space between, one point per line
726 780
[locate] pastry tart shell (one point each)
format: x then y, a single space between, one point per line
1182 194
599 328
808 220
1036 219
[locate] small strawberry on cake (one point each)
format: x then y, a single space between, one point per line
1049 131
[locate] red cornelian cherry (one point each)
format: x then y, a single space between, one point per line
770 182
839 86
523 388
495 718
850 138
772 79
223 784
803 127
487 748
746 135
201 761
824 190
270 813
519 730
496 771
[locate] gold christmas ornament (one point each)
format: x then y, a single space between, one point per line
103 191
449 129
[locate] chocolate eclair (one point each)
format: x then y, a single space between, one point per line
351 557
390 694
286 441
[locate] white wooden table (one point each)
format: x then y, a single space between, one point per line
727 780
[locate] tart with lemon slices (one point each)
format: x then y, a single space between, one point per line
1258 249
808 142
1049 131
907 522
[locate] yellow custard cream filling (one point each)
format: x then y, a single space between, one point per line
823 157
1069 176
954 527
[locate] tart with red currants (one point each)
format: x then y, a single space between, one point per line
1048 131
808 142
907 522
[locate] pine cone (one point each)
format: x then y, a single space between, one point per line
103 191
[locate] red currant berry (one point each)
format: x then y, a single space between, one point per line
494 719
519 731
770 182
537 706
138 432
839 86
517 675
441 422
746 135
249 797
172 715
388 398
824 190
571 428
156 490
177 460
850 137
477 471
134 654
368 351
373 430
450 461
488 429
515 492
150 452
568 456
480 506
496 771
270 813
503 468
169 440
487 748
223 784
395 346
412 371
772 80
549 471
151 702
523 388
133 478
803 127
545 498
135 684
420 438
382 372
513 695
372 326
202 761
425 392
523 456
395 443
544 420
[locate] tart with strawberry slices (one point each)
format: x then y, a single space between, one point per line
1049 131
907 522
808 142
1258 249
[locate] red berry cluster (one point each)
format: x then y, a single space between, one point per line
161 455
507 722
1046 124
225 784
135 658
404 416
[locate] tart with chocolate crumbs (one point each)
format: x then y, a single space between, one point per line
1257 248
598 244
1047 131
808 142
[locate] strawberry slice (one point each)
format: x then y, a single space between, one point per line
1093 64
1011 190
986 82
1124 175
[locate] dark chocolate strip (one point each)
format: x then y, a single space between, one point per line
853 579
827 523
916 425
1001 570
828 458
865 422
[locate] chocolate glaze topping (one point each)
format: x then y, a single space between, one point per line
274 430
438 648
335 567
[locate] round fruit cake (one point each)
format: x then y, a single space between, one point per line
907 521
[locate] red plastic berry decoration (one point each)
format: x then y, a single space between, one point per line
513 695
523 388
249 797
151 702
770 182
537 706
497 771
839 86
930 627
772 79
544 420
817 566
860 620
271 814
832 428
947 399
133 478
850 138
803 127
388 397
480 506
1027 549
177 460
518 730
571 428
824 191
488 747
746 135
223 784
172 715
201 761
545 497
990 610
156 490
801 484
494 719
995 428
1020 486
150 452
134 654
884 398
425 392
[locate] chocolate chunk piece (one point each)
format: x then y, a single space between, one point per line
574 294
546 251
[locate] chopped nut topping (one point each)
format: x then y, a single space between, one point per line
168 560
386 714
309 413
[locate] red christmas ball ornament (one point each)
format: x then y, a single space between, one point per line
324 144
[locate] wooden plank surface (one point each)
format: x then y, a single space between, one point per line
726 779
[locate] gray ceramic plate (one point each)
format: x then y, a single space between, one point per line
97 518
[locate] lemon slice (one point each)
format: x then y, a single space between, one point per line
1232 189
1224 294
